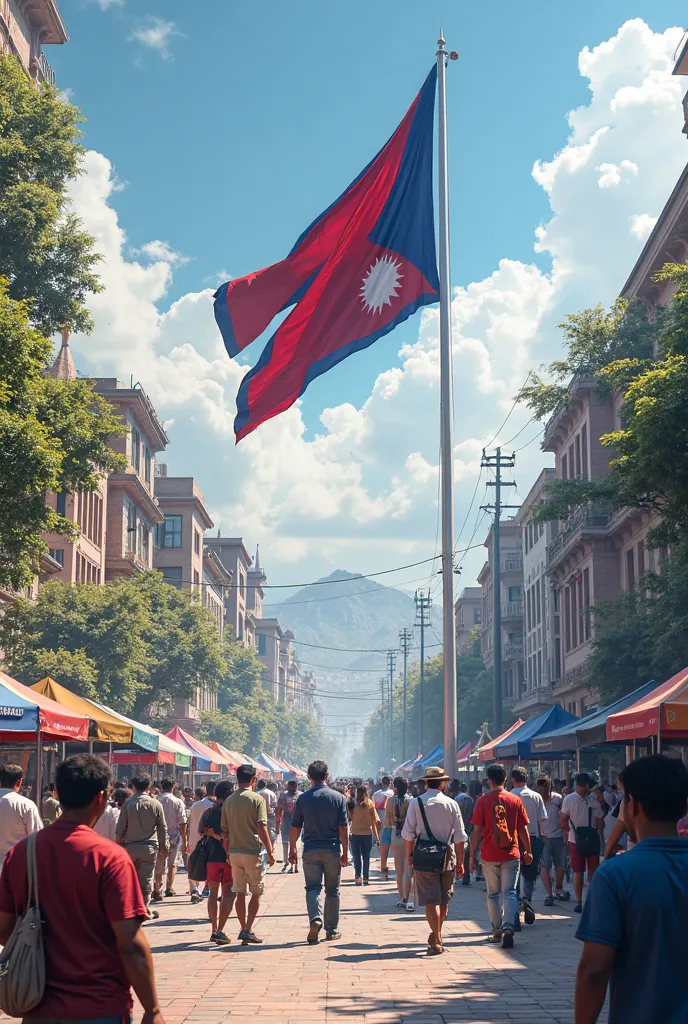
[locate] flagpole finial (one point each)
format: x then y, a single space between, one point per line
441 41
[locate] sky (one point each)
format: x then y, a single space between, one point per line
213 139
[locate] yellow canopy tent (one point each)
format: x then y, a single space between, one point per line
104 726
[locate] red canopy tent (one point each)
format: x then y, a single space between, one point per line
465 752
44 717
662 713
198 749
486 753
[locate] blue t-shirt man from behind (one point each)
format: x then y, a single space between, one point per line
321 812
637 907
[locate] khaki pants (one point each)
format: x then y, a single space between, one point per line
247 871
144 856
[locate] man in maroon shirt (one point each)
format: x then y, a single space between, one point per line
91 906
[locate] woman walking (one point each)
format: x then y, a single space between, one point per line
395 816
365 826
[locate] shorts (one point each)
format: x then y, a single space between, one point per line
434 888
386 836
580 863
554 853
220 871
248 872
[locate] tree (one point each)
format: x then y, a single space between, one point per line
226 729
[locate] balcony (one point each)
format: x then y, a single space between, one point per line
574 677
537 697
586 519
512 563
513 652
44 71
512 610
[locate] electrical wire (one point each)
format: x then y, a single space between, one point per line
339 597
508 415
507 443
350 650
539 434
470 507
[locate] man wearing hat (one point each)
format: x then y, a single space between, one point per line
441 816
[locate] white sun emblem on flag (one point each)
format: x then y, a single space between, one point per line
380 284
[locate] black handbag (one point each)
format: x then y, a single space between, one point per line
430 854
198 861
587 838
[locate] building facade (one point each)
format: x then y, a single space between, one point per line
511 602
468 616
26 26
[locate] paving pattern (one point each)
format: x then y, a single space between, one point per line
377 973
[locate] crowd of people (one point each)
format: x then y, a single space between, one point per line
108 852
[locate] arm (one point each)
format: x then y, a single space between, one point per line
409 844
564 821
161 829
476 839
344 841
614 837
122 822
459 848
592 978
137 961
264 837
375 824
524 837
294 833
184 833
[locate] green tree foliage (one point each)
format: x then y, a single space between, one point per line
45 255
224 728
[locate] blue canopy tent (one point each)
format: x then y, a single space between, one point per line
435 756
518 744
588 731
267 762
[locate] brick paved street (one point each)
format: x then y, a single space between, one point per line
377 973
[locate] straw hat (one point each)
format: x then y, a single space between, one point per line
437 774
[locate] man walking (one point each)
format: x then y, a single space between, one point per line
434 815
553 843
270 798
194 812
283 819
637 907
500 822
581 810
219 872
380 798
142 831
537 816
466 804
244 831
19 816
175 819
321 813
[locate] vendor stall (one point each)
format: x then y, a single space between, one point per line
659 717
516 747
486 753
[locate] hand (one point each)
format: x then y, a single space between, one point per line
152 1017
271 858
409 861
345 860
185 847
527 858
459 870
293 857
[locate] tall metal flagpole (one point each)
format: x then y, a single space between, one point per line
446 415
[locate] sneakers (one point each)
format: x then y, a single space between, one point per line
402 904
170 892
206 893
249 938
313 936
359 881
528 912
366 882
508 938
410 906
286 867
495 938
562 895
578 909
153 915
220 938
157 897
549 901
332 936
196 897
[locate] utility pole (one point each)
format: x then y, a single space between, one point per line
391 665
422 603
383 713
497 462
405 638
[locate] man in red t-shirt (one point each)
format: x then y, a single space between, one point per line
91 906
500 821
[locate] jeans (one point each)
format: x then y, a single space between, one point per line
502 899
529 872
319 865
360 851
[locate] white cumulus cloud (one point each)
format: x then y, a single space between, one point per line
156 34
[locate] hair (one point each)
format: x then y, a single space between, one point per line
246 773
223 789
497 773
10 775
50 787
210 788
120 796
199 792
272 786
261 784
434 783
362 795
139 783
475 788
545 782
80 779
463 788
188 791
292 782
455 786
519 774
318 771
167 785
659 784
385 780
583 779
401 786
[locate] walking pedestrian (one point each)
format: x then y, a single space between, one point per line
175 819
380 798
221 897
19 816
321 813
142 831
365 827
106 826
637 907
50 808
395 816
581 817
436 817
466 804
202 803
270 798
283 818
500 823
553 843
537 815
245 832
91 906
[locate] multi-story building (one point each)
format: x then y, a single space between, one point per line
268 643
541 641
178 550
216 587
26 26
468 616
511 602
237 562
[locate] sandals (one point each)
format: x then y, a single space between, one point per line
435 947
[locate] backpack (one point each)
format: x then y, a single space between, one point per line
22 964
501 835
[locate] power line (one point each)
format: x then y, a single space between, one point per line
539 434
511 439
470 507
508 415
340 597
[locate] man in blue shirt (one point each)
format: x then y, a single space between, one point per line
321 812
637 907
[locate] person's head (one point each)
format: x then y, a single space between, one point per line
261 784
544 787
272 786
246 776
11 776
463 788
317 772
140 783
83 786
582 782
120 796
400 787
222 790
362 795
291 786
454 787
386 781
475 788
420 786
655 795
435 778
51 788
496 775
210 789
167 785
519 776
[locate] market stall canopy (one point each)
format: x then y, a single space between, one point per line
409 765
23 712
231 758
464 753
104 725
268 762
168 752
518 744
261 770
586 732
664 711
142 735
436 756
206 759
486 752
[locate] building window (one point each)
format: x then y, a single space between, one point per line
584 448
143 541
630 570
61 503
172 574
564 468
131 527
147 466
476 616
135 449
641 558
197 578
262 643
57 554
514 594
197 542
170 532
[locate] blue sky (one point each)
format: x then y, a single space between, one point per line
230 126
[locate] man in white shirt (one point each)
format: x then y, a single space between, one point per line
174 810
194 815
553 843
581 810
380 798
19 816
435 889
537 817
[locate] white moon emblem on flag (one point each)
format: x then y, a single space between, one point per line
380 284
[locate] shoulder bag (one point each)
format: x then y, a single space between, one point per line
587 838
430 854
22 963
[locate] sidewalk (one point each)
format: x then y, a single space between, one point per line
377 973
